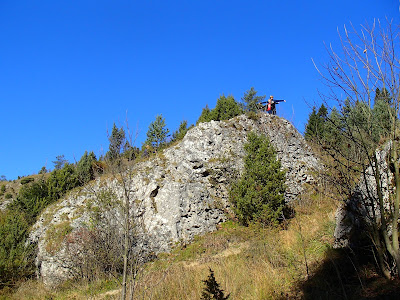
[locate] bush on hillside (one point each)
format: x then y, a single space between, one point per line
16 260
226 108
259 193
26 180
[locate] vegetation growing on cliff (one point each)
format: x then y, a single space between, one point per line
259 194
363 77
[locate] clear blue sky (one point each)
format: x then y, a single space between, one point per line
70 69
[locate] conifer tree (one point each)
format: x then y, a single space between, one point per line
180 132
226 108
251 101
84 167
59 162
205 115
259 193
382 114
157 133
116 140
212 290
312 125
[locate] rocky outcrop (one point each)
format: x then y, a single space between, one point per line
356 214
183 191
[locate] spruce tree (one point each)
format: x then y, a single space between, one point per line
311 126
84 168
382 114
116 139
259 193
59 162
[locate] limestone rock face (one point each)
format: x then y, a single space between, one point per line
183 190
358 212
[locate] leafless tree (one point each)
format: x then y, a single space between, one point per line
367 59
114 241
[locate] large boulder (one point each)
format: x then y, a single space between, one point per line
183 191
360 212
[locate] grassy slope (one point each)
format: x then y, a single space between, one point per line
249 262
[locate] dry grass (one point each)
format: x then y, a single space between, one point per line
249 262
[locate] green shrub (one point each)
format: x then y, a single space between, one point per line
55 236
3 189
27 180
226 108
259 194
31 200
16 259
62 181
8 196
85 167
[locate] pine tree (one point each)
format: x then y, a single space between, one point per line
180 132
212 289
226 108
157 133
59 162
259 193
333 128
315 128
117 142
205 115
251 101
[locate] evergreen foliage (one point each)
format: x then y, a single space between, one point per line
180 132
59 162
157 133
205 115
85 167
43 170
316 123
32 199
226 108
382 112
251 101
259 194
16 257
212 290
116 140
61 181
355 119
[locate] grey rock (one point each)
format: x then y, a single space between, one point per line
183 190
357 212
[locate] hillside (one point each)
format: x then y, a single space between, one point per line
185 225
181 192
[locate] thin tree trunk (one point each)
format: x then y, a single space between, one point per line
126 249
395 227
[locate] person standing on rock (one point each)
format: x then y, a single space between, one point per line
271 105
